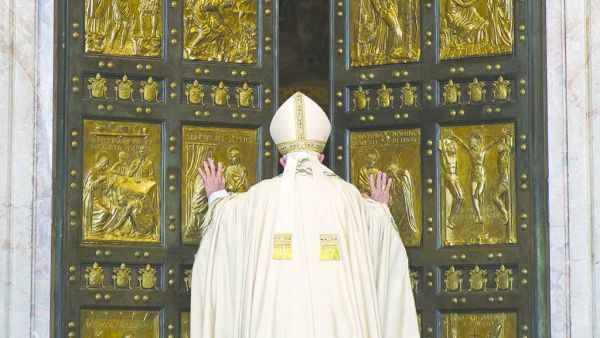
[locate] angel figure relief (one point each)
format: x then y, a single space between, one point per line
402 197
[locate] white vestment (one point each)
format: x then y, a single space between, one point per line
240 291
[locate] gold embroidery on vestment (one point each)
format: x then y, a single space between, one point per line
282 246
329 248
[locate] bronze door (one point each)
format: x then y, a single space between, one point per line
148 89
447 98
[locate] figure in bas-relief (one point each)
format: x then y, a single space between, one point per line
475 28
477 150
368 170
123 27
236 174
220 30
385 31
449 156
402 192
502 192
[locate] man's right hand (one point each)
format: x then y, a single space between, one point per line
212 177
380 187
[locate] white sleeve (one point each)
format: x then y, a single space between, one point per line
217 194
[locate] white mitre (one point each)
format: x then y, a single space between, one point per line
300 125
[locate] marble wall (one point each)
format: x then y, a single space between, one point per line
26 119
573 58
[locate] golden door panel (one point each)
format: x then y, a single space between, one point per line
477 184
121 185
479 278
482 90
124 27
145 89
120 324
475 28
236 148
380 97
484 325
221 94
185 325
220 31
384 32
120 276
398 153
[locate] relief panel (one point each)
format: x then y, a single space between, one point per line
125 88
384 32
477 184
221 94
398 153
483 324
472 28
236 148
121 276
476 91
123 27
121 185
220 31
380 97
484 278
116 323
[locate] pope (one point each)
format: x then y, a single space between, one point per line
302 255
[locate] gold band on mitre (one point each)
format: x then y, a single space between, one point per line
301 145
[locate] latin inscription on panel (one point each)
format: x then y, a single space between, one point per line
123 27
384 32
121 184
484 324
477 184
120 324
220 31
236 148
397 152
470 28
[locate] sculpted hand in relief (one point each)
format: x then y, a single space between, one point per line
212 177
380 187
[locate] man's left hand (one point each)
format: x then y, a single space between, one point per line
212 177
